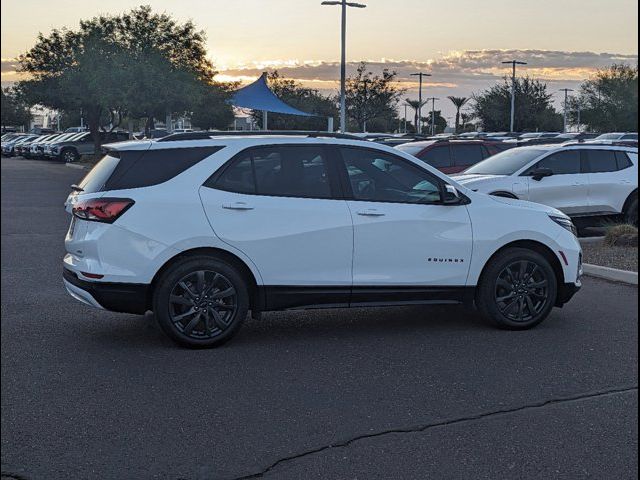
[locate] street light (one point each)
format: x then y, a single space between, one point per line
513 90
566 101
433 114
343 60
419 126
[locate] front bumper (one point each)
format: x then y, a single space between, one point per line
566 292
117 297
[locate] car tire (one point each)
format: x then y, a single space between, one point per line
517 290
201 302
631 212
70 155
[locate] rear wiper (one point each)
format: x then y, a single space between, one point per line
76 188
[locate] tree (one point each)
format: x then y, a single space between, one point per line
212 110
372 100
534 109
458 102
440 122
139 63
415 104
608 101
307 100
14 113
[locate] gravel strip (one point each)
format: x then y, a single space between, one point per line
623 258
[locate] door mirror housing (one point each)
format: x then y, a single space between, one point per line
540 173
451 195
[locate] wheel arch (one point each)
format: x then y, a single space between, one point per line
632 196
537 247
255 297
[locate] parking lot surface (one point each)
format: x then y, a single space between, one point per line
406 393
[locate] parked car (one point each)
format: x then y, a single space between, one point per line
581 180
450 156
204 229
71 149
22 148
34 147
8 148
48 145
37 150
76 129
618 137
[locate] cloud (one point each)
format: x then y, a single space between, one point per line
453 69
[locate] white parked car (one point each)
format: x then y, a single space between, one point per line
202 228
581 180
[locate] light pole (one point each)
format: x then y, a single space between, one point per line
343 59
513 90
405 117
566 101
433 114
420 74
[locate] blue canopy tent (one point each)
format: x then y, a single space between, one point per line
258 96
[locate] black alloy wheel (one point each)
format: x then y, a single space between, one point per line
522 291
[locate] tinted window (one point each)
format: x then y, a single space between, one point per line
378 177
623 160
465 155
630 136
438 157
284 171
138 169
562 163
601 161
99 174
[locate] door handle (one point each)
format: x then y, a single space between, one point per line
371 212
237 206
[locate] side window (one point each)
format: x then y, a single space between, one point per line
601 161
562 163
283 171
630 136
623 160
377 177
438 157
466 155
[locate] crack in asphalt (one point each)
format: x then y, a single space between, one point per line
442 423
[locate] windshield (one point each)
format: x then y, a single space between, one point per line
505 163
609 136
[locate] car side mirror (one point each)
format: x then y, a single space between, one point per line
450 195
540 173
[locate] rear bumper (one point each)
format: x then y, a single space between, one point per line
117 297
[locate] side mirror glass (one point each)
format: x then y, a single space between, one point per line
540 173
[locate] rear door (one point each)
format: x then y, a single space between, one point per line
567 189
281 207
611 180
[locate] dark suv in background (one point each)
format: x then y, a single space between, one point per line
452 156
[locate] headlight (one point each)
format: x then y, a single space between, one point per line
566 223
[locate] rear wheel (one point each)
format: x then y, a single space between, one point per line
201 302
517 290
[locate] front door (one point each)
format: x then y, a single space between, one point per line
403 234
567 189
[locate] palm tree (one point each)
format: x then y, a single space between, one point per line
415 104
459 102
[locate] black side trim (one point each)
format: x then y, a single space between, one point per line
287 297
566 292
117 297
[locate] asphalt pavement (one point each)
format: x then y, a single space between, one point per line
394 393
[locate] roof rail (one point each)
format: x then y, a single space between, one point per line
175 137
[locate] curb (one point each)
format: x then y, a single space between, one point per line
612 274
73 165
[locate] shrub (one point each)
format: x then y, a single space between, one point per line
621 235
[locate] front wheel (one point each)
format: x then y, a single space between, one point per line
70 156
201 302
517 290
631 212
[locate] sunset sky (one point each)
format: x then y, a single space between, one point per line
460 42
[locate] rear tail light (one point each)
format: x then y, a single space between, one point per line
105 210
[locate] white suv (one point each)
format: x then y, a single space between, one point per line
581 180
202 228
